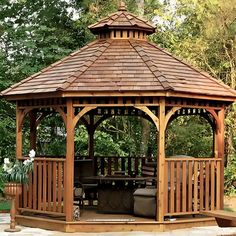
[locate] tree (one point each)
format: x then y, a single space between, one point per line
203 33
33 34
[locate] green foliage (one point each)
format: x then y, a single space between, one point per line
230 179
191 136
81 141
34 34
7 129
51 136
5 205
18 171
2 180
203 33
106 145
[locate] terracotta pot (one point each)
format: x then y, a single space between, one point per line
13 189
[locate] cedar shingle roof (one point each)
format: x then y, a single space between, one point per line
122 20
123 66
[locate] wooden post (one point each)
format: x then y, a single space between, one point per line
19 118
215 141
220 139
161 195
69 162
33 130
91 131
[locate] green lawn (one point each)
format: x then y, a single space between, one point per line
5 205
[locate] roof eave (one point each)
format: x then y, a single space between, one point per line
167 93
16 97
133 93
108 27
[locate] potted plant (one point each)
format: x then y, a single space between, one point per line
14 175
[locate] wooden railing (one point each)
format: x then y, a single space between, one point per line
192 185
106 165
127 164
45 191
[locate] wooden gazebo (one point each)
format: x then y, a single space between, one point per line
121 73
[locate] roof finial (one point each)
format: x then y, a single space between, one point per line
122 6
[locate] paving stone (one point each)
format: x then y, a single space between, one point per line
195 231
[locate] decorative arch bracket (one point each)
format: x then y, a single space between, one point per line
216 118
154 118
169 114
82 113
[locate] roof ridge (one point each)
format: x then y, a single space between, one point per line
159 75
139 18
205 74
47 68
71 78
127 18
104 18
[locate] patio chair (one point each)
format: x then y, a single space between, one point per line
79 194
84 169
150 170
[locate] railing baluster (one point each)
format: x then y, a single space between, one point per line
129 165
59 186
190 186
178 177
207 179
64 181
25 195
201 190
35 184
102 166
115 161
109 166
218 192
30 189
212 185
39 185
49 185
55 187
136 164
44 185
172 187
195 186
184 186
166 203
123 163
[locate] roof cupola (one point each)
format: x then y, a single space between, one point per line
122 25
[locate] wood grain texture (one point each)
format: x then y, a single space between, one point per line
121 65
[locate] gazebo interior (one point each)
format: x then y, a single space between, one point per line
120 74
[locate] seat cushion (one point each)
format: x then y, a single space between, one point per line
148 192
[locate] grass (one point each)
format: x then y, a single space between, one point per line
5 205
229 209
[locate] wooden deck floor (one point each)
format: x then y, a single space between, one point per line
92 221
90 214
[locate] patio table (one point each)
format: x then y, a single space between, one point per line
115 193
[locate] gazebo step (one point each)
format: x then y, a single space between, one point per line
223 218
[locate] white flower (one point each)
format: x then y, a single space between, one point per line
9 171
5 167
6 161
32 153
25 162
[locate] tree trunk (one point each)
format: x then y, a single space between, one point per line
146 129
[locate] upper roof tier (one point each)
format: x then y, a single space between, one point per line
122 20
127 65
